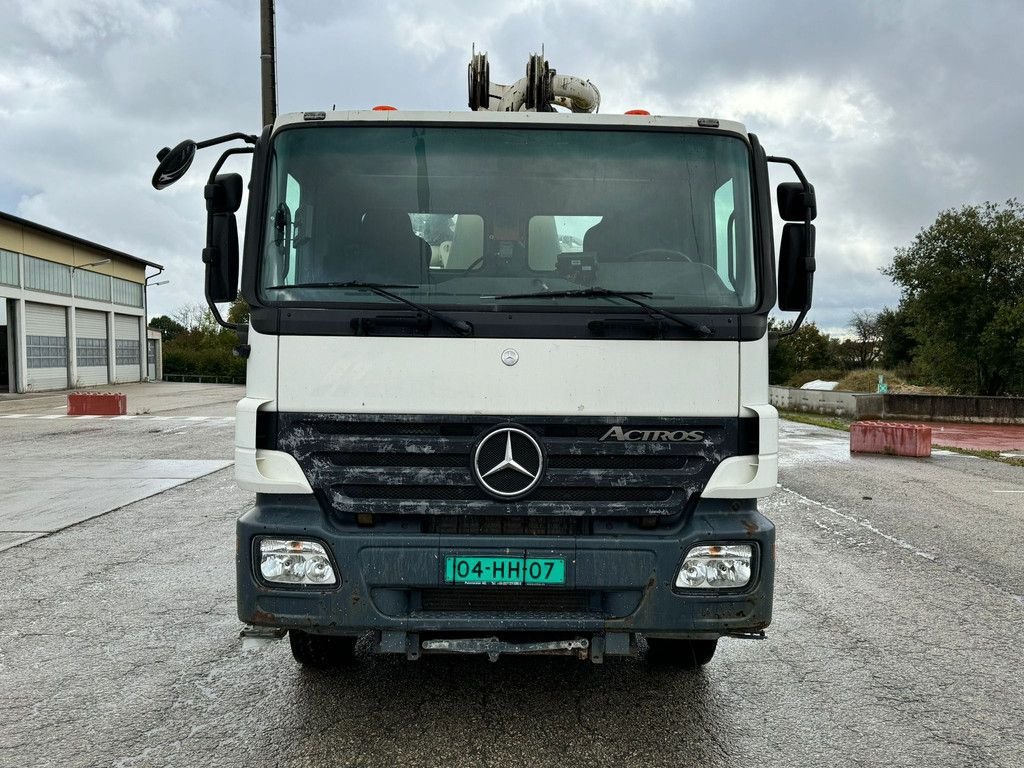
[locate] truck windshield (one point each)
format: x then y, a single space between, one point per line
464 216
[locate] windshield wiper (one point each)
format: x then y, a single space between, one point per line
629 296
461 327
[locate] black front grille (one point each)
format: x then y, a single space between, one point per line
504 600
506 525
558 461
421 465
365 459
473 493
401 428
627 461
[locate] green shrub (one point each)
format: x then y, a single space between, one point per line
209 361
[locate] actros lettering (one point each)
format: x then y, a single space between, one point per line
653 435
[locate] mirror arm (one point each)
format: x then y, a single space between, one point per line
236 327
227 153
796 169
774 337
247 138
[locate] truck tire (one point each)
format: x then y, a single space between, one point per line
321 651
683 654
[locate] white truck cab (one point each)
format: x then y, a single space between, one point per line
507 386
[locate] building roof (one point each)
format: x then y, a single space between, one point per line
79 240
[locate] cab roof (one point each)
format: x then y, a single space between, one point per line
554 119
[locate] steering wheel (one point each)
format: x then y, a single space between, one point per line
658 254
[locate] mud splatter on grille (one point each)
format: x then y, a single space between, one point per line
420 465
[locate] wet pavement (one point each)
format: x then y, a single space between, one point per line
60 470
896 639
144 399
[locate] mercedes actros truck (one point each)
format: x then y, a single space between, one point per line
507 378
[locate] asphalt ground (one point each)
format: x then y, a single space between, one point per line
59 470
896 640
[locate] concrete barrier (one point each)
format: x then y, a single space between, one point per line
891 439
854 405
97 404
985 410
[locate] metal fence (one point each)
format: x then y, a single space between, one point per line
189 378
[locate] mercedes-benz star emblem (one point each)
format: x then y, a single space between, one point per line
509 357
508 463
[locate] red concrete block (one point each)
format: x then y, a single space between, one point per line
889 438
97 404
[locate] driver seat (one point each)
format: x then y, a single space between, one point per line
615 238
389 251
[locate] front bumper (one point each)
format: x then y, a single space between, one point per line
392 580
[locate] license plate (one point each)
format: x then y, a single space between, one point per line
504 571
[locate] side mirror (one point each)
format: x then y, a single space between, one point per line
174 163
223 198
796 267
794 201
224 195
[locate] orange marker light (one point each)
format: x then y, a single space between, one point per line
637 112
385 108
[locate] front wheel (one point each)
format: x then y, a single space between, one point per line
321 651
684 654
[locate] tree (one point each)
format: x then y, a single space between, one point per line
170 328
806 350
866 337
962 282
200 347
848 354
238 312
196 318
897 345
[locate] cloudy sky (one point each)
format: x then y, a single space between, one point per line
895 110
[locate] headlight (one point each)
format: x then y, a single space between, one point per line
716 567
284 561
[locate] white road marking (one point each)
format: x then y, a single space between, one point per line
128 417
1002 491
865 524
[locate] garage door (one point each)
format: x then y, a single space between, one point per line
128 347
46 346
91 347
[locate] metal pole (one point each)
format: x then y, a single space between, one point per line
268 61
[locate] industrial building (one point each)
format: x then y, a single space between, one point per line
72 312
